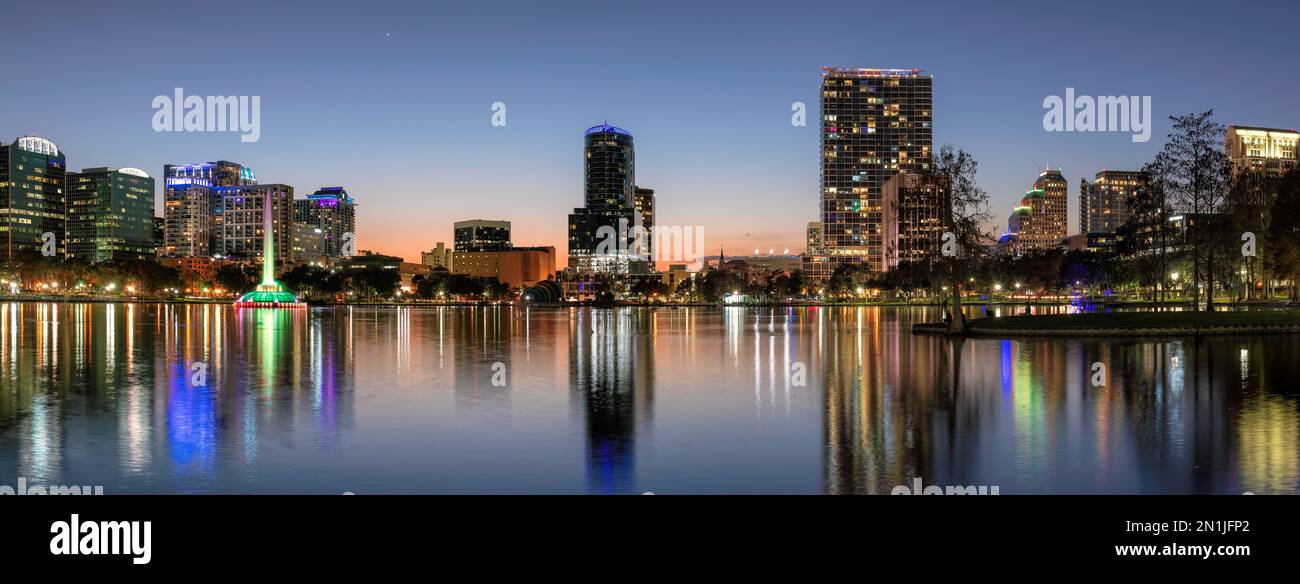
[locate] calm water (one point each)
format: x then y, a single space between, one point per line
737 400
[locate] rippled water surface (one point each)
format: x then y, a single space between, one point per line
186 398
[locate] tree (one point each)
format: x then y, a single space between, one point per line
374 282
968 212
1283 236
237 278
1193 173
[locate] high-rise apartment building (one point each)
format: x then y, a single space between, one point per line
192 205
1104 206
875 123
334 213
482 235
915 209
110 214
602 232
240 222
32 199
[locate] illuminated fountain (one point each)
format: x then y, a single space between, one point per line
269 294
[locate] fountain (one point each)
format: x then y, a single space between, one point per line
268 294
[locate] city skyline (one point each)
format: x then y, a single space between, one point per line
417 160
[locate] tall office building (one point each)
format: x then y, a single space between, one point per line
1104 206
644 201
110 214
192 206
239 227
334 213
602 231
915 210
32 178
482 235
875 123
1265 150
1039 224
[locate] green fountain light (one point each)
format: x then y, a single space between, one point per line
268 294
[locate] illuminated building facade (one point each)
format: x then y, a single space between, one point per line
603 230
1039 224
814 238
32 178
482 235
110 214
875 123
240 223
1104 206
192 206
1265 150
334 213
644 200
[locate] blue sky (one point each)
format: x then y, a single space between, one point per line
392 99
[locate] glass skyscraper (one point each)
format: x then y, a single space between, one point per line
110 214
602 231
32 199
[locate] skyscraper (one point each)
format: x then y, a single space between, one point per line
32 199
1104 206
875 123
333 211
602 231
110 214
240 225
191 206
482 235
1039 224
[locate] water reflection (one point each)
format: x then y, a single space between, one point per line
526 399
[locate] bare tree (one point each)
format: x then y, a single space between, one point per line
1193 172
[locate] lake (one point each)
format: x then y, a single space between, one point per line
177 398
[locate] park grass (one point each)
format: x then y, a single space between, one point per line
1141 322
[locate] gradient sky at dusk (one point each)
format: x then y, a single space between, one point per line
392 99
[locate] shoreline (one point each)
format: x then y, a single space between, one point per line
1132 324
